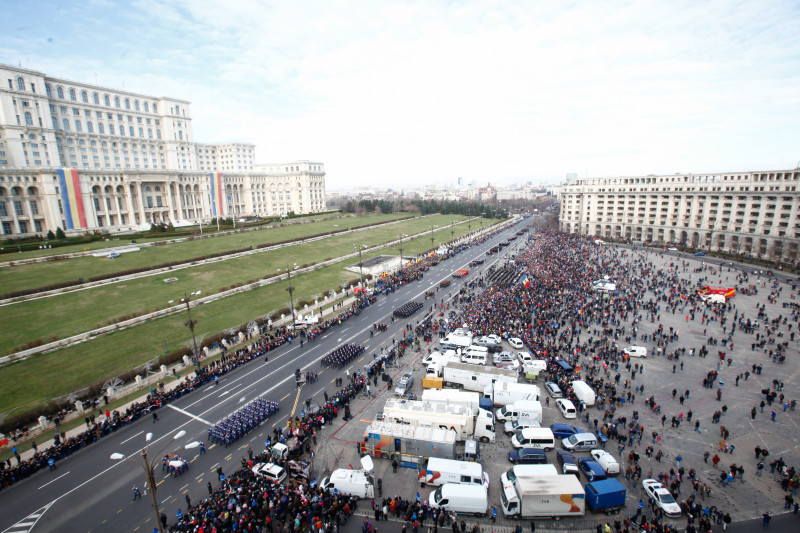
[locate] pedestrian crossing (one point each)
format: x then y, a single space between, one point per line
26 524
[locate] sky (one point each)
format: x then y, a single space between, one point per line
404 93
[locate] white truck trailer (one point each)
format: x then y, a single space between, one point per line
408 444
457 418
455 397
504 393
476 377
543 497
584 392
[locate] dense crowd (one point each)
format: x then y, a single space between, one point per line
559 316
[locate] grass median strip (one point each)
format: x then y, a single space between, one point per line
35 381
80 311
20 277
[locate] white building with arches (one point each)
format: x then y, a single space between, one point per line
755 213
83 157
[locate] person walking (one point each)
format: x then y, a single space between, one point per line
136 493
155 417
765 520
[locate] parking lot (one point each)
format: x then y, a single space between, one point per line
744 498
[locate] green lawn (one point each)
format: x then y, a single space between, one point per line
21 277
35 381
83 310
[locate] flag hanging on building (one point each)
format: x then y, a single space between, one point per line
71 198
216 194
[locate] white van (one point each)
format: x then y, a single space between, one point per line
540 438
636 351
534 365
567 408
475 355
579 442
440 471
358 483
464 499
606 461
520 409
584 392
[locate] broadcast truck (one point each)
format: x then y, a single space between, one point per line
407 443
476 377
505 393
543 497
457 418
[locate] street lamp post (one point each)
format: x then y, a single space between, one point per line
403 236
290 288
149 466
432 235
191 323
452 230
360 263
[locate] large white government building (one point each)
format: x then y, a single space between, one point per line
83 157
755 213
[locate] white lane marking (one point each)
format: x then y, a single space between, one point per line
190 415
131 438
22 525
53 480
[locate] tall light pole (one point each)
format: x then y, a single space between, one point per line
452 230
149 466
403 236
191 323
432 235
290 288
360 263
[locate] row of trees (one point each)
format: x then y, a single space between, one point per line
425 207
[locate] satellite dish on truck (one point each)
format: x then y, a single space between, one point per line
366 463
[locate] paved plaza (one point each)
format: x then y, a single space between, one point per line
746 497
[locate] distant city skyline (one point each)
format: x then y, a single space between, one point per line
413 93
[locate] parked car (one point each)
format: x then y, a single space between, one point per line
527 456
563 431
566 462
503 357
661 497
553 389
113 255
404 384
606 461
516 343
701 253
590 469
270 471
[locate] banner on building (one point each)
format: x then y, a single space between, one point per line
71 198
217 201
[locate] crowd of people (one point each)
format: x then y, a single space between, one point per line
559 315
236 425
407 309
341 356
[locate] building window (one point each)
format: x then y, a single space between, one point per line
111 129
89 127
28 118
107 100
18 208
136 105
130 130
116 101
146 107
85 97
34 207
78 126
65 124
73 95
141 133
60 92
127 103
3 211
100 128
20 84
48 90
38 225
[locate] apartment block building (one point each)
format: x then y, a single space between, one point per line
755 213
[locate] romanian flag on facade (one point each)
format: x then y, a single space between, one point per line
71 198
217 198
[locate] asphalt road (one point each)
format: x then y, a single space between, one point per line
90 492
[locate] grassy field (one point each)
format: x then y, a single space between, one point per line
35 381
115 240
21 277
75 312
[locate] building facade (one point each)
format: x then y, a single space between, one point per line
753 213
83 157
